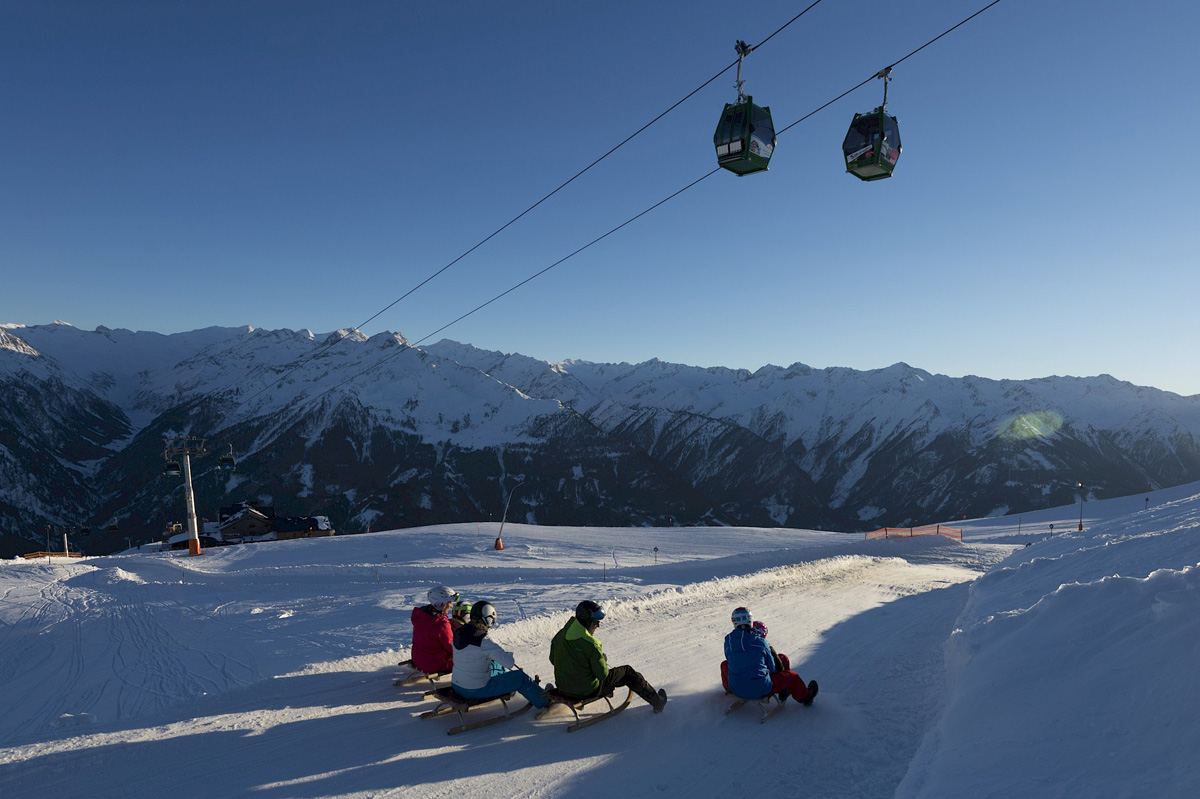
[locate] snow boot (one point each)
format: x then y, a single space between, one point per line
812 693
662 701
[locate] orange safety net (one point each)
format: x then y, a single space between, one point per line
909 532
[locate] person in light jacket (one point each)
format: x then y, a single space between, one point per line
482 668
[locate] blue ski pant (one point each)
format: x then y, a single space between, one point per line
507 682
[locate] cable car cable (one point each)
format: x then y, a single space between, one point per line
893 64
781 27
332 342
328 345
413 345
509 290
943 33
613 230
580 173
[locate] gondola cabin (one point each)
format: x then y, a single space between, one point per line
745 137
172 469
226 463
872 145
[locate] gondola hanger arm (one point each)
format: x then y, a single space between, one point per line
743 50
885 75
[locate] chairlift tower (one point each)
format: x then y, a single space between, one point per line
187 447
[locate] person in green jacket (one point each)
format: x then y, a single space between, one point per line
580 668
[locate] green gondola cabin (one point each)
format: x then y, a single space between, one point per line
745 137
172 469
872 145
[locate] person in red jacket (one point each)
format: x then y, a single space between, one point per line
433 639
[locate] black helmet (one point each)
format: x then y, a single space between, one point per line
588 612
484 613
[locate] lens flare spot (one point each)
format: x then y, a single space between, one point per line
1038 424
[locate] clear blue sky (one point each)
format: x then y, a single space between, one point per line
173 165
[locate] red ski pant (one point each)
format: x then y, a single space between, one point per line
791 682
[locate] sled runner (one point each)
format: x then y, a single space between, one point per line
576 704
416 675
764 705
449 702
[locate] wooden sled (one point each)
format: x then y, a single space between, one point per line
449 702
415 675
768 706
576 704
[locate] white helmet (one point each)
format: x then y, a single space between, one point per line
742 617
484 613
442 595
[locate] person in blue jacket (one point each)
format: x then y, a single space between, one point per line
752 668
782 663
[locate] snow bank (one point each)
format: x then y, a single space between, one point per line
1069 667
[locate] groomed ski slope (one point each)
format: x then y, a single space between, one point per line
987 668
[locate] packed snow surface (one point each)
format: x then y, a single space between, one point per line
1016 663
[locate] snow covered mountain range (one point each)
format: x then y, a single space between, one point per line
373 432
